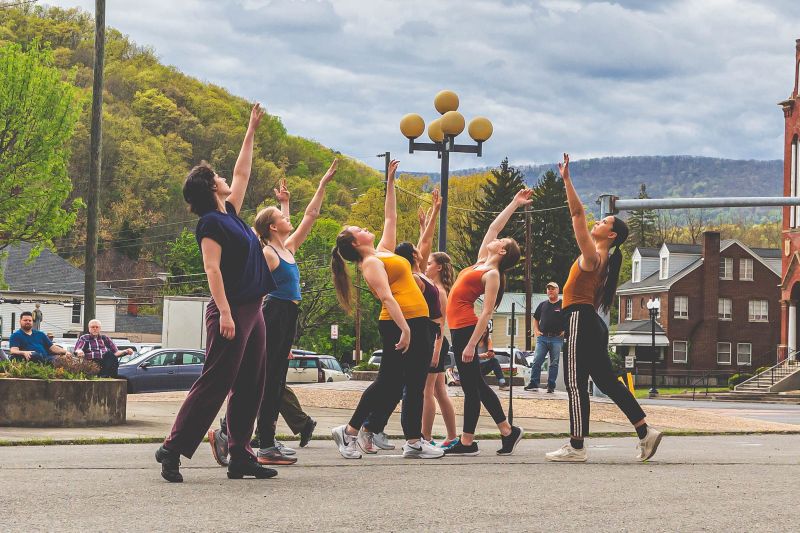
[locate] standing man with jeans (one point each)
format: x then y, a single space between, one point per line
549 330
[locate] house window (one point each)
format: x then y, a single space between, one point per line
76 311
664 272
637 271
723 353
511 325
681 307
744 354
746 269
628 308
758 311
680 351
725 306
726 268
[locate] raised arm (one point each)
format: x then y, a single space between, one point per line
491 284
312 211
375 276
389 237
425 243
589 258
523 197
241 171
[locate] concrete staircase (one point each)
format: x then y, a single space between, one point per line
770 380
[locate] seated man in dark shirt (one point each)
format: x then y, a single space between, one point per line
31 344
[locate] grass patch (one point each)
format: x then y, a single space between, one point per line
667 391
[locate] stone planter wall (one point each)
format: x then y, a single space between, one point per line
62 403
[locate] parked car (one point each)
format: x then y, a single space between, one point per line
521 365
163 370
315 369
375 359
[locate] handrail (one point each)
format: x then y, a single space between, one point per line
704 377
771 369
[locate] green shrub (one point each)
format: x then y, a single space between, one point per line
77 365
738 378
364 365
761 369
32 370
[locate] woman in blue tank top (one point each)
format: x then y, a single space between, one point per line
280 242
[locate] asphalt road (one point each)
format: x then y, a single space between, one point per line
769 412
741 483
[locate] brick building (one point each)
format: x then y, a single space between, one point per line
790 278
719 310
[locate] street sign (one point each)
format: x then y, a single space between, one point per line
334 331
630 361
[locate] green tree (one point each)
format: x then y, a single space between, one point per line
553 243
184 262
38 112
643 225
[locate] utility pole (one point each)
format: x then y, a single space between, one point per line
388 159
357 356
528 281
93 190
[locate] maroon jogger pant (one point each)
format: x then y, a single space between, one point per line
234 368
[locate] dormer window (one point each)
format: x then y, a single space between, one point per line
663 272
637 271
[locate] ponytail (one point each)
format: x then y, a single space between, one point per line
510 258
614 265
343 250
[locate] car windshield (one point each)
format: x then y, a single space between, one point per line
133 358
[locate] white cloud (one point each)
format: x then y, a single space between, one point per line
595 78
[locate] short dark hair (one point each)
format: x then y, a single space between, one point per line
26 313
198 189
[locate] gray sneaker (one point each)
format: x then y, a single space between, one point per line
382 441
365 440
345 443
649 444
422 449
285 450
219 446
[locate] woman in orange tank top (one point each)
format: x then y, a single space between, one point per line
592 284
487 278
405 332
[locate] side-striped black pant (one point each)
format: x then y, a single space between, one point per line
586 354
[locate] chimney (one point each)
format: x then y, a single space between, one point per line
796 67
708 331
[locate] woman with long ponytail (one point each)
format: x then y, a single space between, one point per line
405 330
591 285
485 278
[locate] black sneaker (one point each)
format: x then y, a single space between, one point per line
510 441
170 465
219 446
462 450
305 435
238 468
531 386
549 390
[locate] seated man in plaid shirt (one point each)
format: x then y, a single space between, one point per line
100 349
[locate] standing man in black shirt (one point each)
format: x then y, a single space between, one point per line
549 331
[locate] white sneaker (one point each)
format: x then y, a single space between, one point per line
567 454
382 441
346 443
649 444
422 449
366 442
285 450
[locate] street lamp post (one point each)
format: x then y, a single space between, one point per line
443 132
653 305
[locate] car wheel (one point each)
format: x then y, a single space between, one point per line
330 380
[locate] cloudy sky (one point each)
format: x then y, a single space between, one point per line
634 77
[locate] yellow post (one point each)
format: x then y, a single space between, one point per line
630 382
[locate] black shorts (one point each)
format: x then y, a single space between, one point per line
443 358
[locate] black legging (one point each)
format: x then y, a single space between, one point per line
476 391
398 370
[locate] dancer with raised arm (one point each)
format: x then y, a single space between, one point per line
281 309
404 327
591 285
239 278
487 277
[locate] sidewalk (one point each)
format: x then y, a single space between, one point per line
331 404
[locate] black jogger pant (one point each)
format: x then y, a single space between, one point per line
398 370
586 354
476 391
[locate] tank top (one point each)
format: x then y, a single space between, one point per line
404 288
582 287
431 295
287 278
461 302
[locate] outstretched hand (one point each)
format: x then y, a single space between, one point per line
436 199
282 192
331 172
523 197
256 114
392 170
563 168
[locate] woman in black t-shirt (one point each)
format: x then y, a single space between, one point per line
238 278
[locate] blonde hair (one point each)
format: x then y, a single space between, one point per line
264 219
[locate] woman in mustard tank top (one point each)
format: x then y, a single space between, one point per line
404 327
592 284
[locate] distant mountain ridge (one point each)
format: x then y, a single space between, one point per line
666 176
